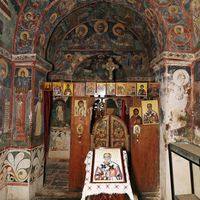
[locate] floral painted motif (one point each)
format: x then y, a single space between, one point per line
19 165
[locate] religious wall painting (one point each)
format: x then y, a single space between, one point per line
60 139
53 17
5 96
38 112
101 68
108 166
178 93
22 80
19 117
99 39
152 19
123 39
142 89
90 88
29 20
163 2
38 115
172 14
24 39
67 89
22 105
192 8
79 89
197 71
80 108
180 38
110 89
8 16
120 89
131 89
57 88
101 89
150 112
61 112
101 34
153 90
197 106
3 70
78 38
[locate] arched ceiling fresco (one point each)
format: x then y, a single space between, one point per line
169 20
61 29
8 15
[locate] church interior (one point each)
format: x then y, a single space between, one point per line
82 79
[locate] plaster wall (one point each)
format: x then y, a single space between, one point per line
35 186
59 143
3 193
18 192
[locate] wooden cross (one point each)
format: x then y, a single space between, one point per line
110 66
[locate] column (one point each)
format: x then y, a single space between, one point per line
25 159
173 71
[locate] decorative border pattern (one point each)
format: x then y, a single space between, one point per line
5 53
190 57
40 64
21 165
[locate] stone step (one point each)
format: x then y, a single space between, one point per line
56 194
150 196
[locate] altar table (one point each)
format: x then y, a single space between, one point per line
106 188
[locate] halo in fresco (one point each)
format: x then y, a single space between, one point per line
98 22
28 16
83 29
181 77
25 71
173 9
24 36
163 2
53 18
118 26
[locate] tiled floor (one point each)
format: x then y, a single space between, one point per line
56 182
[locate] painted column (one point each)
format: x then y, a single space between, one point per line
25 158
5 102
173 71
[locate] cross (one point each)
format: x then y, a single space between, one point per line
110 66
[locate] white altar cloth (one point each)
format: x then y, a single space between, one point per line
106 188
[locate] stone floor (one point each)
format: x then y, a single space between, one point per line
56 182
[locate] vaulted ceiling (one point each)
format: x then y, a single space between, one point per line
53 30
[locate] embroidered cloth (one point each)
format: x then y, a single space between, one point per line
106 188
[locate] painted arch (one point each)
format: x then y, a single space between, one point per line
168 20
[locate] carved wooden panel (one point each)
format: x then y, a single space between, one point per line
101 133
118 133
110 131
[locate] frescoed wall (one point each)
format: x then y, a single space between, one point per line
22 97
38 112
8 15
60 128
5 100
79 38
